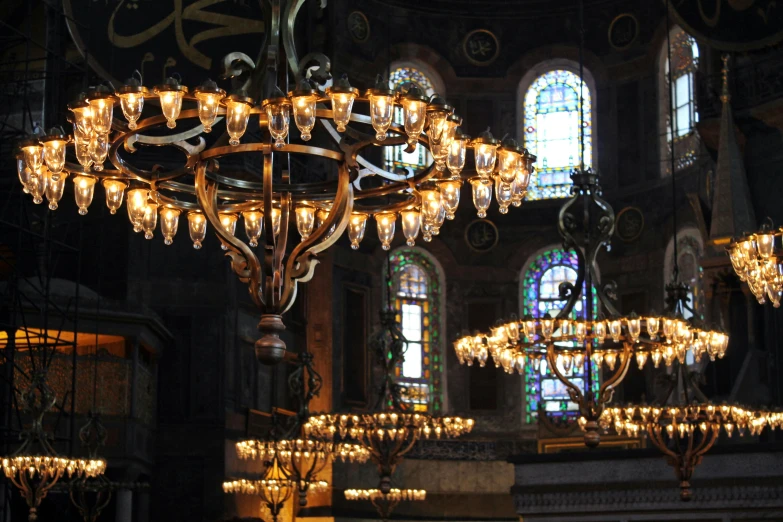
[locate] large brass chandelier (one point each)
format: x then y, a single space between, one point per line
386 502
758 260
35 467
205 189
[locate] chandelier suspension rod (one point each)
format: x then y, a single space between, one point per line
676 265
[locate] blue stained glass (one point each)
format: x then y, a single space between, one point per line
551 132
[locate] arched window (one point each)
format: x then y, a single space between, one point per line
682 102
417 291
551 131
395 157
539 296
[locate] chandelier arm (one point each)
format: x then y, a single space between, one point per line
573 390
606 390
566 223
411 441
244 262
289 44
280 244
656 435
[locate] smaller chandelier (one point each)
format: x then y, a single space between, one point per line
35 467
758 260
386 502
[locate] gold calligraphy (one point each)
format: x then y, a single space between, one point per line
227 25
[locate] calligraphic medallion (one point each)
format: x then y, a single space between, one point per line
481 235
731 25
481 47
160 38
623 31
630 224
358 26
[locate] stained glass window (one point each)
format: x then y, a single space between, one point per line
395 157
541 296
551 132
685 57
417 294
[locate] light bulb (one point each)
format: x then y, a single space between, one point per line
33 154
23 171
414 106
450 192
37 184
197 226
55 188
83 189
381 100
321 215
99 149
765 243
517 193
276 214
54 151
507 159
114 193
82 113
229 223
356 226
237 115
411 222
137 204
82 149
342 96
254 225
503 194
385 221
278 112
430 204
438 112
455 158
208 96
485 153
171 94
132 100
169 223
305 220
102 106
150 220
482 195
303 100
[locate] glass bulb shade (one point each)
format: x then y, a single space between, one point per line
229 222
381 111
82 148
276 214
765 243
305 220
411 222
279 115
137 204
237 116
517 193
342 105
356 227
23 171
83 189
482 195
439 152
82 120
99 150
170 106
504 194
437 127
150 220
37 184
208 105
508 162
321 215
115 190
430 204
102 114
450 192
386 221
132 103
169 223
486 155
55 186
254 225
33 156
455 159
415 118
54 154
523 175
197 226
304 114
